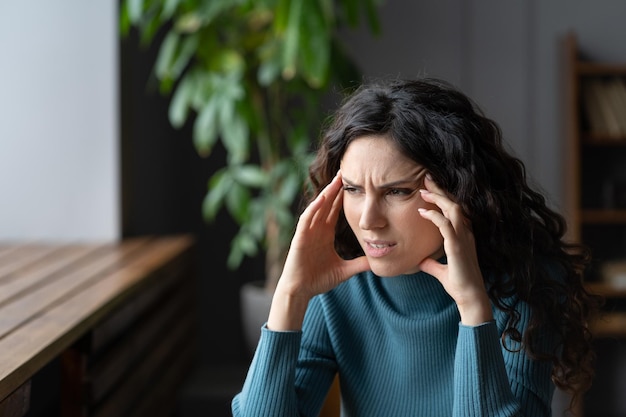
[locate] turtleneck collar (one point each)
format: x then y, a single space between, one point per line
419 292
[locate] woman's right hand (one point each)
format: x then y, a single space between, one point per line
312 266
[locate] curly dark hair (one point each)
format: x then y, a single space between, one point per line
517 236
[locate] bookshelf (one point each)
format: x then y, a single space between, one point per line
595 129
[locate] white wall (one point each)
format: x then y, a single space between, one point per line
59 120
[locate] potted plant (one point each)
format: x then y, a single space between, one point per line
251 76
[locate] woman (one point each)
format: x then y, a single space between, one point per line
425 272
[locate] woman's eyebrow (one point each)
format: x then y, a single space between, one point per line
392 184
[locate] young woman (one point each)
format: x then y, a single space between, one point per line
426 273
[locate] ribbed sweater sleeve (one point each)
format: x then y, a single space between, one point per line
490 380
289 375
269 386
480 379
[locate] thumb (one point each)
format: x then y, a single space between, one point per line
432 267
356 265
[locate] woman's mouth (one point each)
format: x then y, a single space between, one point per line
377 249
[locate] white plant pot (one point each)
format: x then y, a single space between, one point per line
255 308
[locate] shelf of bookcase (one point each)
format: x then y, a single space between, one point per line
600 68
596 139
606 290
609 325
604 216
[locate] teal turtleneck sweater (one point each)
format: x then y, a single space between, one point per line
400 350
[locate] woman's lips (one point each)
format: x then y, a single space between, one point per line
378 248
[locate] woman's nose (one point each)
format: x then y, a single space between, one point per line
372 215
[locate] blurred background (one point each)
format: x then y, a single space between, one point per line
87 152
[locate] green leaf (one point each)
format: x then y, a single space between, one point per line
235 257
150 25
314 46
124 22
372 16
282 16
247 244
351 8
257 225
205 127
235 138
169 6
283 216
208 11
292 39
166 55
238 202
328 11
249 175
232 63
188 23
243 244
181 100
269 70
290 188
135 9
219 184
187 49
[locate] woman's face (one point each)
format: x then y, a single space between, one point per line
380 202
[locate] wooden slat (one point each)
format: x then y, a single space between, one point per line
146 373
34 303
22 256
113 325
111 369
160 400
73 371
7 248
18 403
38 273
55 328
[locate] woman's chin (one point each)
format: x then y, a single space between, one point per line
390 269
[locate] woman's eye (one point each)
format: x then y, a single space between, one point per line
349 189
399 191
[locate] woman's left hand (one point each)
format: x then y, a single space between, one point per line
461 277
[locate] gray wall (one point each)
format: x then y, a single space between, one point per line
58 113
503 54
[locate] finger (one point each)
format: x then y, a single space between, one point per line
308 215
444 224
449 208
337 203
330 194
440 199
432 186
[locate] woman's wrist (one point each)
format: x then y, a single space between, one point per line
287 311
476 312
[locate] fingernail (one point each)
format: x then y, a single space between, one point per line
422 191
428 176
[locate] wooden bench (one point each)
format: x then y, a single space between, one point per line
119 317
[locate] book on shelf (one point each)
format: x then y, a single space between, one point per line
604 103
614 273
